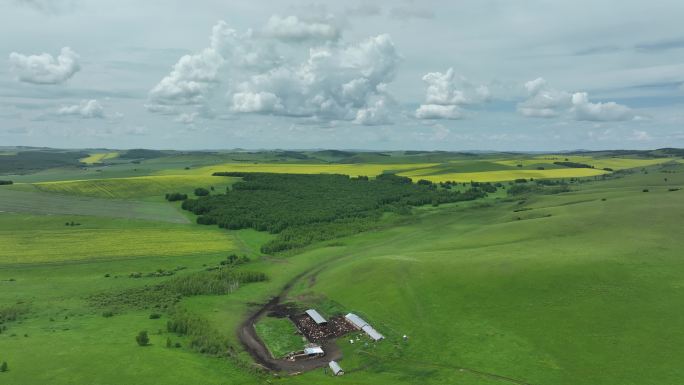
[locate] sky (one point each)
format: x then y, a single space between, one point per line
534 75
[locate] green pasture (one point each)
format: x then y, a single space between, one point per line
583 287
279 335
47 239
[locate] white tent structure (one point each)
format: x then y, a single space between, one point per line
336 368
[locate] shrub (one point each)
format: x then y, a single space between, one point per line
107 313
573 164
168 342
172 197
5 182
155 316
201 192
645 190
142 338
3 366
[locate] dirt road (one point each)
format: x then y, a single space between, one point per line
253 344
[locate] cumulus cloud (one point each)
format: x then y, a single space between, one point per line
335 81
376 114
86 109
446 94
582 109
256 102
45 68
340 82
295 29
543 101
546 102
436 111
194 77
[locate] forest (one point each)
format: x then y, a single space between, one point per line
303 209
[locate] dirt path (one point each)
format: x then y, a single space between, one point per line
256 348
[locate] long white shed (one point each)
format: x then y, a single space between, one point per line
316 316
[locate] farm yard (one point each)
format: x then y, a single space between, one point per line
523 284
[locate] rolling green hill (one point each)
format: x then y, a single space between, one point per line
580 287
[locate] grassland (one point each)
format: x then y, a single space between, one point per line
46 239
581 288
19 200
279 335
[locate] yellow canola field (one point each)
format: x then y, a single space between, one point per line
505 175
72 243
99 157
132 187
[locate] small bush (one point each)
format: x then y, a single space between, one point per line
5 182
3 366
142 338
201 192
155 316
107 313
645 190
173 197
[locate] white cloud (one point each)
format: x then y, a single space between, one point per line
446 94
546 102
295 29
256 102
598 112
376 114
193 76
44 68
437 111
187 117
336 82
86 109
542 101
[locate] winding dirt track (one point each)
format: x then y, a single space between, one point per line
253 344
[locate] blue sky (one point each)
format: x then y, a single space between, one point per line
467 75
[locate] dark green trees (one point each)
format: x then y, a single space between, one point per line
303 209
142 338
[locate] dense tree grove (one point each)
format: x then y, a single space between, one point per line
305 208
172 197
573 164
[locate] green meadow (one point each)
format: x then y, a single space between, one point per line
580 287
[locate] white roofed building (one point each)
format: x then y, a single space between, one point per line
336 368
372 333
355 320
317 317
